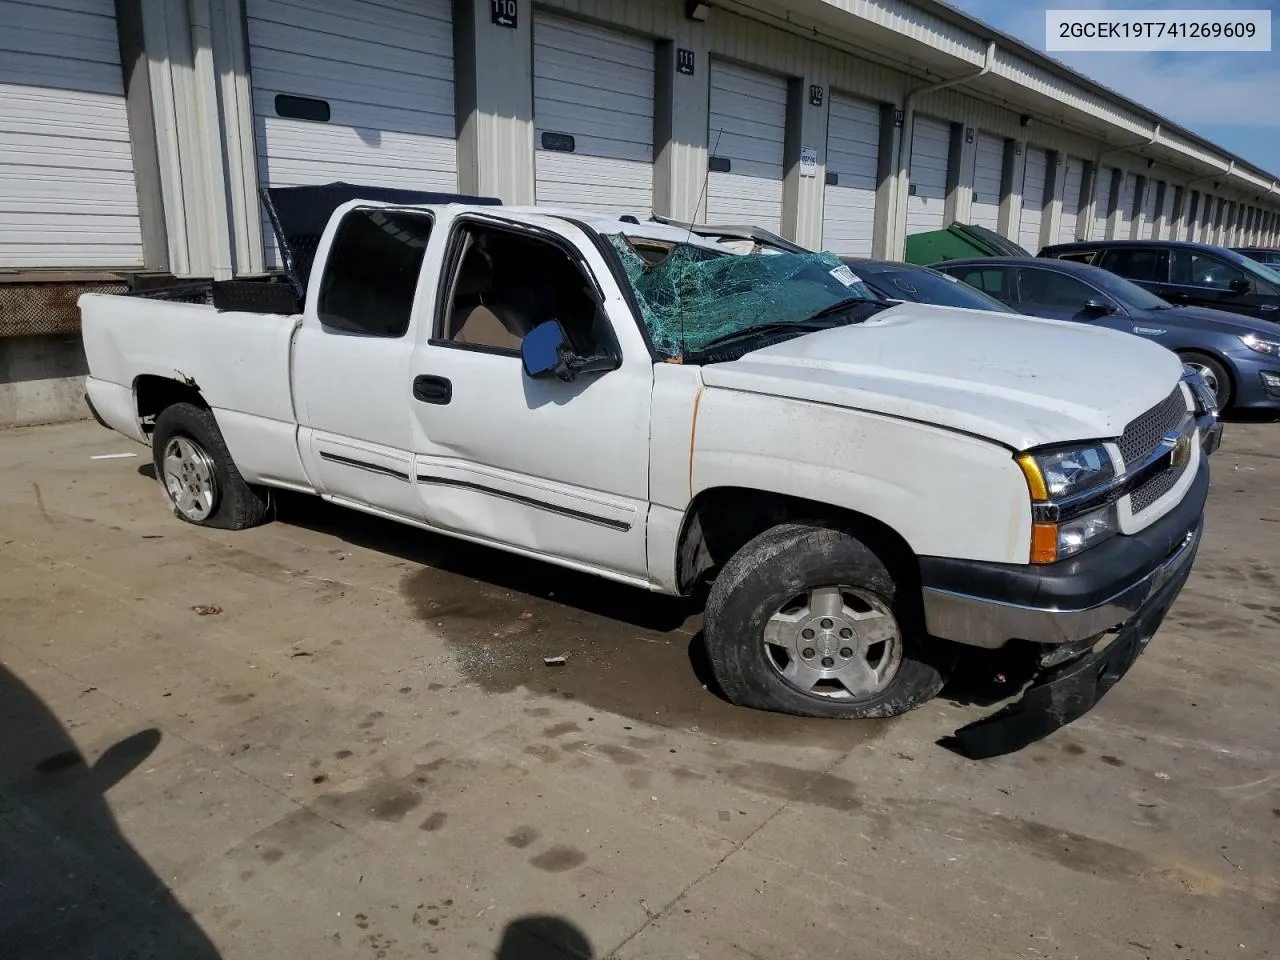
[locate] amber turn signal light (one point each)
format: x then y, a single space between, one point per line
1044 542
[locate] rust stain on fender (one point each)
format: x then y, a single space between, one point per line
693 434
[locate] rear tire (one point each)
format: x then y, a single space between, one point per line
807 620
199 479
1214 373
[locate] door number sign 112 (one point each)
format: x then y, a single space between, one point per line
503 13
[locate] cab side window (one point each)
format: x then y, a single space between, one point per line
993 281
1191 269
506 284
372 272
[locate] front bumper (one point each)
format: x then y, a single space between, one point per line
988 604
1210 430
1067 692
1257 381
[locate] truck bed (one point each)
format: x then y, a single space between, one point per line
238 361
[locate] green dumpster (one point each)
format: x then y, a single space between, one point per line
958 242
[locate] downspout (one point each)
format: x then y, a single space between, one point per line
904 148
1149 142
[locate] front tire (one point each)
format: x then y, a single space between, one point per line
199 479
806 619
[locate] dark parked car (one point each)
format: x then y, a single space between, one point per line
891 280
1239 357
1267 256
1184 273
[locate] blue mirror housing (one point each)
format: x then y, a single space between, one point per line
545 351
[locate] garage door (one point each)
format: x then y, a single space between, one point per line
927 193
1124 223
1033 177
988 169
745 134
1072 179
1204 228
67 194
592 117
1102 203
1150 213
352 90
853 149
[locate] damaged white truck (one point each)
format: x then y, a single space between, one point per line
862 484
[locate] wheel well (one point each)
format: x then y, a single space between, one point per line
154 393
721 520
1218 358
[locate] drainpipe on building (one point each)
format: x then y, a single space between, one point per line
898 243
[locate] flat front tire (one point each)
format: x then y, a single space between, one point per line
806 619
199 479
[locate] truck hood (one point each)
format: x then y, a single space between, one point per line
1020 381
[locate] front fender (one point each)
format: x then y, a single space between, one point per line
947 494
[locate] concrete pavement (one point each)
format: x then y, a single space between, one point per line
363 755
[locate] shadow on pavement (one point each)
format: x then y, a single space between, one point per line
71 886
477 562
543 938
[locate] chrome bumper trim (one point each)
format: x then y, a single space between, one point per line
982 622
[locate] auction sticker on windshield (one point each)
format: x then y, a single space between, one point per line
844 275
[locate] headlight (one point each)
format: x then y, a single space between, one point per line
1257 344
1054 476
1083 531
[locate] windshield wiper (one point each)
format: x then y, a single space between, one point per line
764 329
824 319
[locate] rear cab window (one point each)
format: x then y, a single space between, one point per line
371 273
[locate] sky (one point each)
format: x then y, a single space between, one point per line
1232 99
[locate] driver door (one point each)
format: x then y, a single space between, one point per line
1199 278
552 468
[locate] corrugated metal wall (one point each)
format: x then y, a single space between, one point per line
67 192
494 75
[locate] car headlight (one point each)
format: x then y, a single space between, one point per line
1056 478
1074 535
1066 471
1270 347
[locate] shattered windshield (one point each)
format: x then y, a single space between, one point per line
691 296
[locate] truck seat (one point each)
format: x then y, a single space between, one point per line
479 316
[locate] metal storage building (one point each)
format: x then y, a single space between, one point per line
134 133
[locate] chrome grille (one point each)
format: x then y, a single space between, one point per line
1144 433
1154 489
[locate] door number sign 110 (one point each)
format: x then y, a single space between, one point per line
503 13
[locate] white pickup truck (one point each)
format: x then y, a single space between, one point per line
863 484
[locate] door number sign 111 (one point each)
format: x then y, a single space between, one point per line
503 13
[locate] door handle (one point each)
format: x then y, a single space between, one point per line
432 389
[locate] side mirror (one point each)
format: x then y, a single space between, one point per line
1239 286
545 352
1099 308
